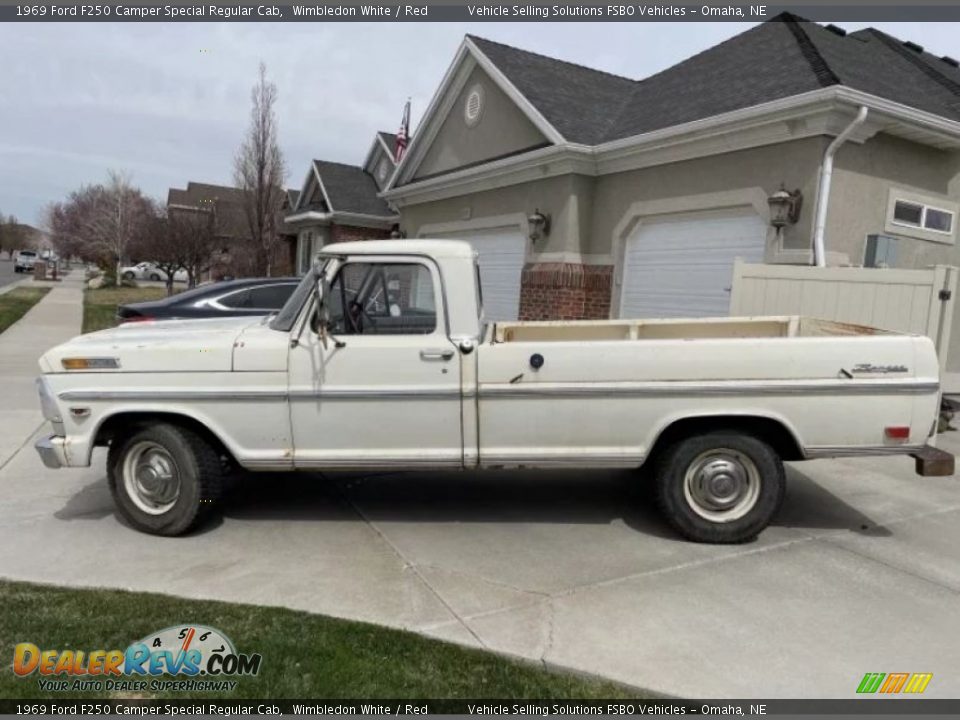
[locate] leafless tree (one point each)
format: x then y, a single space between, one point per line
193 240
163 245
259 171
100 223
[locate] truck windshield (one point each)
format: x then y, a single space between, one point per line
283 320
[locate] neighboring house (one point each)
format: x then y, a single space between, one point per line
643 193
231 226
341 202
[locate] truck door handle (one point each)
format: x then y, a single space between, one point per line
436 354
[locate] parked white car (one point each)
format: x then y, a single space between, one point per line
25 261
149 271
381 359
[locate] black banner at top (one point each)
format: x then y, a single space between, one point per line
453 11
485 707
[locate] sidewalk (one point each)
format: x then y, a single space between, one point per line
51 321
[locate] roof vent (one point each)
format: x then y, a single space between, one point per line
950 61
836 30
913 46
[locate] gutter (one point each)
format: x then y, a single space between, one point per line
823 188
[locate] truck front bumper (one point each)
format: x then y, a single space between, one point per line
51 451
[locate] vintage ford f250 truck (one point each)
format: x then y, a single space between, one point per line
381 359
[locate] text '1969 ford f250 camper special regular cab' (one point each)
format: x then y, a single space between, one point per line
381 359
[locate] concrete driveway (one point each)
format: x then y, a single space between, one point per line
860 573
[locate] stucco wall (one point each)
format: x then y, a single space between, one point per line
588 213
563 198
502 129
863 177
753 172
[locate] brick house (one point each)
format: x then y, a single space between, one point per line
589 195
340 202
231 227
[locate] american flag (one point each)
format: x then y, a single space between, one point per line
403 136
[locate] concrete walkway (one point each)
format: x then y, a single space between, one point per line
56 318
859 573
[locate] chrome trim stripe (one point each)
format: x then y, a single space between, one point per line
378 393
173 394
507 390
356 463
721 387
831 451
360 393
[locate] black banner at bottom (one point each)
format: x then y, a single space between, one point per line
534 707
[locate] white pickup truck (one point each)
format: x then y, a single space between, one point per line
381 359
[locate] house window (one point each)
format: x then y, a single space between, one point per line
306 249
918 216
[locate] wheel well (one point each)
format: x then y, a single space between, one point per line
125 423
771 431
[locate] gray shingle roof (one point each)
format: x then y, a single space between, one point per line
351 189
782 57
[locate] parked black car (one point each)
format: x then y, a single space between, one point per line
250 296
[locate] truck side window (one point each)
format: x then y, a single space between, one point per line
383 299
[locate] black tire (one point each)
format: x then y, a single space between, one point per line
199 469
154 277
749 464
128 275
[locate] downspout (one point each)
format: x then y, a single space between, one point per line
823 191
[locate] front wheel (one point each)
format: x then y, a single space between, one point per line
164 478
721 487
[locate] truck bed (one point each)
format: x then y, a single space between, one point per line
676 329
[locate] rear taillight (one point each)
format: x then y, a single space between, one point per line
135 318
897 432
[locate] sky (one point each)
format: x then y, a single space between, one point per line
167 103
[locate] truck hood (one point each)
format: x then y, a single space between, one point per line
204 345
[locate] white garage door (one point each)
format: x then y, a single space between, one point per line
500 254
683 266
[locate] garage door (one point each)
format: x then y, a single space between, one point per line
683 266
500 254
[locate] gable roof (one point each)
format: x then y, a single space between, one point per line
350 189
782 57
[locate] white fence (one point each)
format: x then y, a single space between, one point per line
910 301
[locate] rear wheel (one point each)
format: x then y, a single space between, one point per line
154 277
164 478
128 275
720 487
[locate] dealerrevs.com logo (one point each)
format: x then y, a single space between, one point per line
199 658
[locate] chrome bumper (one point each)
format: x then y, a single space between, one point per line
50 449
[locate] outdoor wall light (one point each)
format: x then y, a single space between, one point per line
539 225
784 207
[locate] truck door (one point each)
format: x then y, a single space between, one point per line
380 386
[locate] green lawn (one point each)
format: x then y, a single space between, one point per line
100 305
14 304
303 655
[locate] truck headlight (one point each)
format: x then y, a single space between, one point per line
48 405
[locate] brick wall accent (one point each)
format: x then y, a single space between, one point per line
350 233
565 291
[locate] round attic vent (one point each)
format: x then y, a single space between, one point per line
473 107
382 170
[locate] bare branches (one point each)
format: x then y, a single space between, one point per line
259 172
103 223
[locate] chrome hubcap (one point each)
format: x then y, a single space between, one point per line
151 478
721 485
